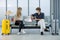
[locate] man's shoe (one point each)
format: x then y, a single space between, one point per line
46 30
41 33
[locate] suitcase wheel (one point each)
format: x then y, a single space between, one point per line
2 34
8 34
53 34
57 33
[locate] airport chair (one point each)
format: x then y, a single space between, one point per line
30 25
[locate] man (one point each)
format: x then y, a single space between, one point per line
39 17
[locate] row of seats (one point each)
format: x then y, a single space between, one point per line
31 25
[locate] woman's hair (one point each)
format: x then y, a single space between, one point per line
19 11
38 8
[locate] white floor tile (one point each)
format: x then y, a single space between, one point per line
30 35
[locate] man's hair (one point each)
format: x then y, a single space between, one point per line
38 8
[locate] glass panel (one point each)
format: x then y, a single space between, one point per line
12 6
32 6
2 10
45 8
24 5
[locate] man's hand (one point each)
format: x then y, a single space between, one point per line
37 19
34 18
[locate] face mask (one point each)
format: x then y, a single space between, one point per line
37 12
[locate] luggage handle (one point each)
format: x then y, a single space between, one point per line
6 25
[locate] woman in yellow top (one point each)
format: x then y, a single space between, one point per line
18 19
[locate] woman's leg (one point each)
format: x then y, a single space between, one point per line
20 26
18 22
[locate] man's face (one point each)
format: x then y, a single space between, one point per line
38 11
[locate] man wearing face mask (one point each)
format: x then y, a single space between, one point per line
39 17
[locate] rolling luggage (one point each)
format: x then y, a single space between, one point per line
5 26
55 27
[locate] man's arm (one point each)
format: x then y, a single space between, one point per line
33 17
37 19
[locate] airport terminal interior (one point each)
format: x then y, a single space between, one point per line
27 14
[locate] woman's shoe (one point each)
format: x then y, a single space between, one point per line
23 31
19 33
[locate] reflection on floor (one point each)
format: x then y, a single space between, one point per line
30 35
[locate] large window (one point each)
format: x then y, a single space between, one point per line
12 5
45 6
24 5
32 6
2 9
28 7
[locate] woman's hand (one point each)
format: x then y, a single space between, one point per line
13 19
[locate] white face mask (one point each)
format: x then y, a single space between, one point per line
37 12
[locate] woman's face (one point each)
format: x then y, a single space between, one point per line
19 10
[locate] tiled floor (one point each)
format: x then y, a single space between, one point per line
30 35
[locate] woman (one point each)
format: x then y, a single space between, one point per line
18 20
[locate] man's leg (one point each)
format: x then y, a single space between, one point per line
41 23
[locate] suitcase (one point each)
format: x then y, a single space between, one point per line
55 27
5 26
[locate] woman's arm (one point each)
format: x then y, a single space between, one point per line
14 18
